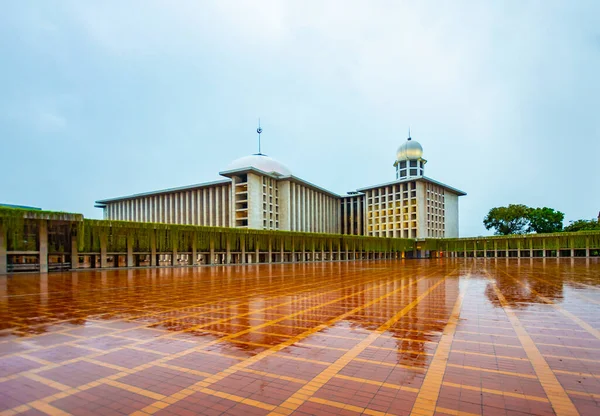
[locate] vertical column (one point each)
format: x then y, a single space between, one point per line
211 260
351 219
345 217
270 251
243 248
103 250
293 251
465 250
475 249
543 247
256 254
228 250
43 238
587 247
74 252
129 251
572 245
303 249
194 260
281 252
495 249
3 258
519 249
557 247
153 248
174 254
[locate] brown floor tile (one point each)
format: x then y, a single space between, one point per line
22 390
78 373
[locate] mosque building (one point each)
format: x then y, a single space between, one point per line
259 192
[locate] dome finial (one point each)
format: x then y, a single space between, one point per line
409 138
259 131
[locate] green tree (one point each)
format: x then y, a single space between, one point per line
583 225
512 219
545 220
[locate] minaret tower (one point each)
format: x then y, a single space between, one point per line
409 160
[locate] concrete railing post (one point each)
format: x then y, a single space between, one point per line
243 248
228 250
194 259
153 262
270 247
129 251
74 253
3 251
43 240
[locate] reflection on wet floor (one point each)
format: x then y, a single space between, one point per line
443 336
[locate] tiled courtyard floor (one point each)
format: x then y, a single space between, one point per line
423 337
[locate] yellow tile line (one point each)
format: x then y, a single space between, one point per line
568 346
272 375
430 389
487 370
48 408
124 371
137 390
454 412
500 393
345 406
576 373
184 369
324 376
409 352
252 360
489 343
377 383
48 382
16 410
559 399
576 293
217 300
408 367
584 393
232 397
481 354
590 329
561 357
277 293
306 360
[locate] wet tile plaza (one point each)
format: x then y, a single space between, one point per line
424 337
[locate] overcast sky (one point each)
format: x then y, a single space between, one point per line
104 99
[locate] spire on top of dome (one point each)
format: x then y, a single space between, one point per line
259 131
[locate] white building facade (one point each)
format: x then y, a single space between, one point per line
259 192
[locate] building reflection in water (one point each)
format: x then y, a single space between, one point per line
269 305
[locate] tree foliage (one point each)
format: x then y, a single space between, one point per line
507 220
519 219
545 220
583 225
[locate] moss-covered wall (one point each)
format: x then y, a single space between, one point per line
20 226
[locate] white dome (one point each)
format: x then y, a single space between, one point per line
410 150
261 162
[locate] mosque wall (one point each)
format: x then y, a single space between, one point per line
208 205
451 215
312 210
